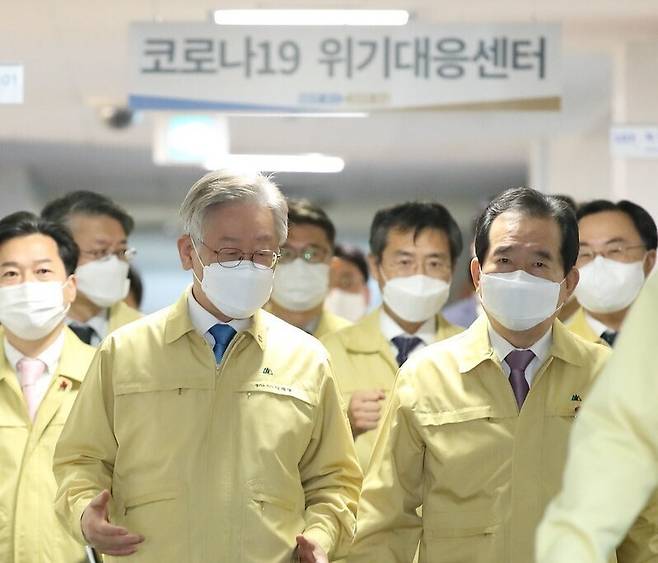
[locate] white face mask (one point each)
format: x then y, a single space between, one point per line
300 286
237 292
350 306
104 282
32 310
415 298
519 300
607 286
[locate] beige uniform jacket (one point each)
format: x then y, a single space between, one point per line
613 453
29 529
635 548
578 325
329 323
454 441
212 463
362 360
121 314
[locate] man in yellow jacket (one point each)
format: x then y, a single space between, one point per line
617 252
100 228
217 427
413 250
477 426
301 283
41 366
613 452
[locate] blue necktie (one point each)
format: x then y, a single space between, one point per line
223 334
405 345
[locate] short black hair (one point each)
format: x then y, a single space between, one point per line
24 223
303 212
84 202
644 223
414 216
136 285
353 255
535 204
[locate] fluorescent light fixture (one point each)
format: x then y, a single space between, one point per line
311 17
314 163
189 138
310 114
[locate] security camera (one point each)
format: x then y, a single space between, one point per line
117 117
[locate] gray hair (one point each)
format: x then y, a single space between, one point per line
224 186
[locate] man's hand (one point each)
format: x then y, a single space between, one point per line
103 536
309 551
364 410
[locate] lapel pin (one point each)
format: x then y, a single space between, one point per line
576 397
64 385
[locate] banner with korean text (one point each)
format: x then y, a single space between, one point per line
180 66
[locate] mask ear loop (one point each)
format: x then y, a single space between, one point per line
198 257
68 307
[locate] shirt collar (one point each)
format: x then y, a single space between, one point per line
597 326
50 356
502 347
390 329
99 323
202 320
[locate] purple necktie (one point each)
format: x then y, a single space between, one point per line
518 361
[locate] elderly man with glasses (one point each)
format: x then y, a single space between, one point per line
211 430
100 228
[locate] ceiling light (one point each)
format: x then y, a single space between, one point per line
314 163
311 17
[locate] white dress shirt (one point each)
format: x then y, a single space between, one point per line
541 349
597 326
390 329
203 321
50 356
100 323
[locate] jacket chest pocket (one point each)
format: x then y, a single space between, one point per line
468 456
277 416
160 413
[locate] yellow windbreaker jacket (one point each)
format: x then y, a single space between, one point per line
618 432
330 323
454 442
361 358
29 529
121 314
578 325
212 463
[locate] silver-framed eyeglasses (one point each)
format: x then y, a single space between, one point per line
613 251
312 254
229 257
125 254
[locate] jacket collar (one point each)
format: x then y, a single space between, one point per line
366 336
70 365
179 323
474 346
